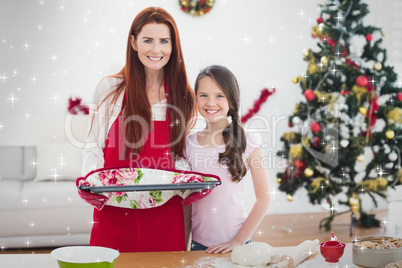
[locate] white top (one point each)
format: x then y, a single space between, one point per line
217 217
103 119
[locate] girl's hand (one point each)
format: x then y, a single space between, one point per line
224 247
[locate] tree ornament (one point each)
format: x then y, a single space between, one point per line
296 120
312 68
382 182
305 52
362 81
369 37
390 134
295 80
324 60
308 172
316 141
392 156
360 158
278 180
319 20
363 110
377 66
383 32
344 143
309 95
289 197
399 96
299 164
321 27
315 127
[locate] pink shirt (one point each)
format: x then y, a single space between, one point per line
217 217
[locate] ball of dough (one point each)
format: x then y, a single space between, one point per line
255 254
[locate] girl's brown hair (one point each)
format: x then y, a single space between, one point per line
180 94
234 135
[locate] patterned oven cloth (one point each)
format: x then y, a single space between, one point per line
142 176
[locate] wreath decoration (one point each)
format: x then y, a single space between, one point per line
196 8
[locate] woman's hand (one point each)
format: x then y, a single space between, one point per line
224 247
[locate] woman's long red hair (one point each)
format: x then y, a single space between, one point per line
181 98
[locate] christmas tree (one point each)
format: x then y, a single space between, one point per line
352 106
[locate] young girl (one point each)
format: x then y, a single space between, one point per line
223 148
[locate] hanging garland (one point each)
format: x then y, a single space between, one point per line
265 93
196 8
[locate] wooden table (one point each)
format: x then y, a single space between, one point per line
187 259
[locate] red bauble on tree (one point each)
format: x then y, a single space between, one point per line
369 37
299 164
309 95
399 96
362 81
316 142
315 127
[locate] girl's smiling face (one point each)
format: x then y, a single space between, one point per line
153 45
211 101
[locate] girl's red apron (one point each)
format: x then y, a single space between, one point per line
140 230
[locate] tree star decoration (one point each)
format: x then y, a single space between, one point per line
265 93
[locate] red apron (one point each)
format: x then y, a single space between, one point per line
140 230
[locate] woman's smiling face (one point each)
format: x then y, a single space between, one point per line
153 45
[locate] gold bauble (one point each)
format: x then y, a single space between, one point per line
377 66
193 3
308 172
360 158
278 180
383 182
289 197
353 201
324 60
363 110
295 80
312 68
390 134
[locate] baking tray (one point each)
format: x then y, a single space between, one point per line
151 187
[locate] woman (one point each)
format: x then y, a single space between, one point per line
144 113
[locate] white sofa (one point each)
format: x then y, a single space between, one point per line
40 158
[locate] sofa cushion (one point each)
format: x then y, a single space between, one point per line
10 193
17 163
16 195
58 161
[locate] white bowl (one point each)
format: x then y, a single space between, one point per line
76 255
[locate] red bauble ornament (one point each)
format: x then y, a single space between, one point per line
399 96
362 81
309 95
316 142
299 164
319 20
315 127
369 37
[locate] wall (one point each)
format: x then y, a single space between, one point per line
53 50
